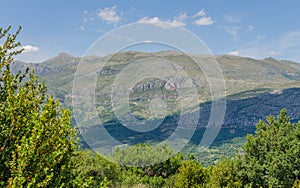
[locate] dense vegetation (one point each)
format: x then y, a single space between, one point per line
38 147
35 133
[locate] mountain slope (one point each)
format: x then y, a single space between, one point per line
254 89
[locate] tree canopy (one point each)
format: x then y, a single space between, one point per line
272 155
36 137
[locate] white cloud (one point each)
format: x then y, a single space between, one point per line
200 13
154 21
182 16
204 21
178 23
165 24
29 48
259 52
179 20
229 18
109 15
235 53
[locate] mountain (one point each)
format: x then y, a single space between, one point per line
254 89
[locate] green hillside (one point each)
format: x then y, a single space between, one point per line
254 89
241 74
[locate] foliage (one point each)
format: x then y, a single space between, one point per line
191 174
151 161
96 169
35 132
296 184
224 174
211 155
272 156
145 164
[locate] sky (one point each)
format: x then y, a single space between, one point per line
250 28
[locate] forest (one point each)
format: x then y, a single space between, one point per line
39 146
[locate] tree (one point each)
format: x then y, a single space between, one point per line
95 168
272 156
149 160
36 138
146 164
224 174
191 174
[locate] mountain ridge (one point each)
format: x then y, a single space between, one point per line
254 89
244 77
240 73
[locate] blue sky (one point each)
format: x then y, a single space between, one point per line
250 28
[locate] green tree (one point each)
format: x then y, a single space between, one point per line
146 164
36 138
224 174
272 156
151 161
191 174
95 168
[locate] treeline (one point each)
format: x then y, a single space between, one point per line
270 158
38 147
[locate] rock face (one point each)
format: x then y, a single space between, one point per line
247 112
241 116
38 68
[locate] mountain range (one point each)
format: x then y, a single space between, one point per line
255 88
